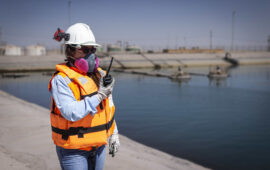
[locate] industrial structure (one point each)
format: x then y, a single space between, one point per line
114 49
133 49
10 50
193 50
119 49
35 50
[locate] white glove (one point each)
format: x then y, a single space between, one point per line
114 144
104 92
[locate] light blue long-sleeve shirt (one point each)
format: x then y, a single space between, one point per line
70 108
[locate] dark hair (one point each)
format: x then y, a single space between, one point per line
95 77
70 51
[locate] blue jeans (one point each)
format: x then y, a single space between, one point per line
75 159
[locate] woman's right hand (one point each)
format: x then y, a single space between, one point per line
105 91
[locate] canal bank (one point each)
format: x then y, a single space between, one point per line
131 61
25 143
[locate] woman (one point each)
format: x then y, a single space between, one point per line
82 110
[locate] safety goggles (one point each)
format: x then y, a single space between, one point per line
87 50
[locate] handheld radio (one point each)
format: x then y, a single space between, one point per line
107 79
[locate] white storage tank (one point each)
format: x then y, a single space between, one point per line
11 50
35 50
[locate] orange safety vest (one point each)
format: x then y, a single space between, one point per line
90 131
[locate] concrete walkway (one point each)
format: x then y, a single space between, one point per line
26 144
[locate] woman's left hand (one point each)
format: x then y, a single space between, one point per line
114 144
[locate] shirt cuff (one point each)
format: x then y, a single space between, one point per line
115 129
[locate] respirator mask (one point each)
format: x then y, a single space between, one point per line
89 63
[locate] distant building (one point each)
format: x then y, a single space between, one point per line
133 49
114 48
100 49
10 50
193 50
35 50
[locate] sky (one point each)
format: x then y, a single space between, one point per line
150 24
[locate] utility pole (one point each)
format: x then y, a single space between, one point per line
69 12
233 18
268 48
211 37
168 41
0 35
185 42
176 42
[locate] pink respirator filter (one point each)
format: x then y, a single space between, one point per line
97 64
82 64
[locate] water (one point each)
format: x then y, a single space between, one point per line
221 124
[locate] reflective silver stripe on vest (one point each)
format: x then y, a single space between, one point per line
102 73
82 80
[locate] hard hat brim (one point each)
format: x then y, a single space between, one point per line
91 44
85 44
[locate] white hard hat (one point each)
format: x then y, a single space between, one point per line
81 34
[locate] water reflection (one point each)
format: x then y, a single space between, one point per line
181 82
140 78
48 73
218 82
13 75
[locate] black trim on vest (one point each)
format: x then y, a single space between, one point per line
101 106
89 95
53 104
53 107
56 72
80 131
